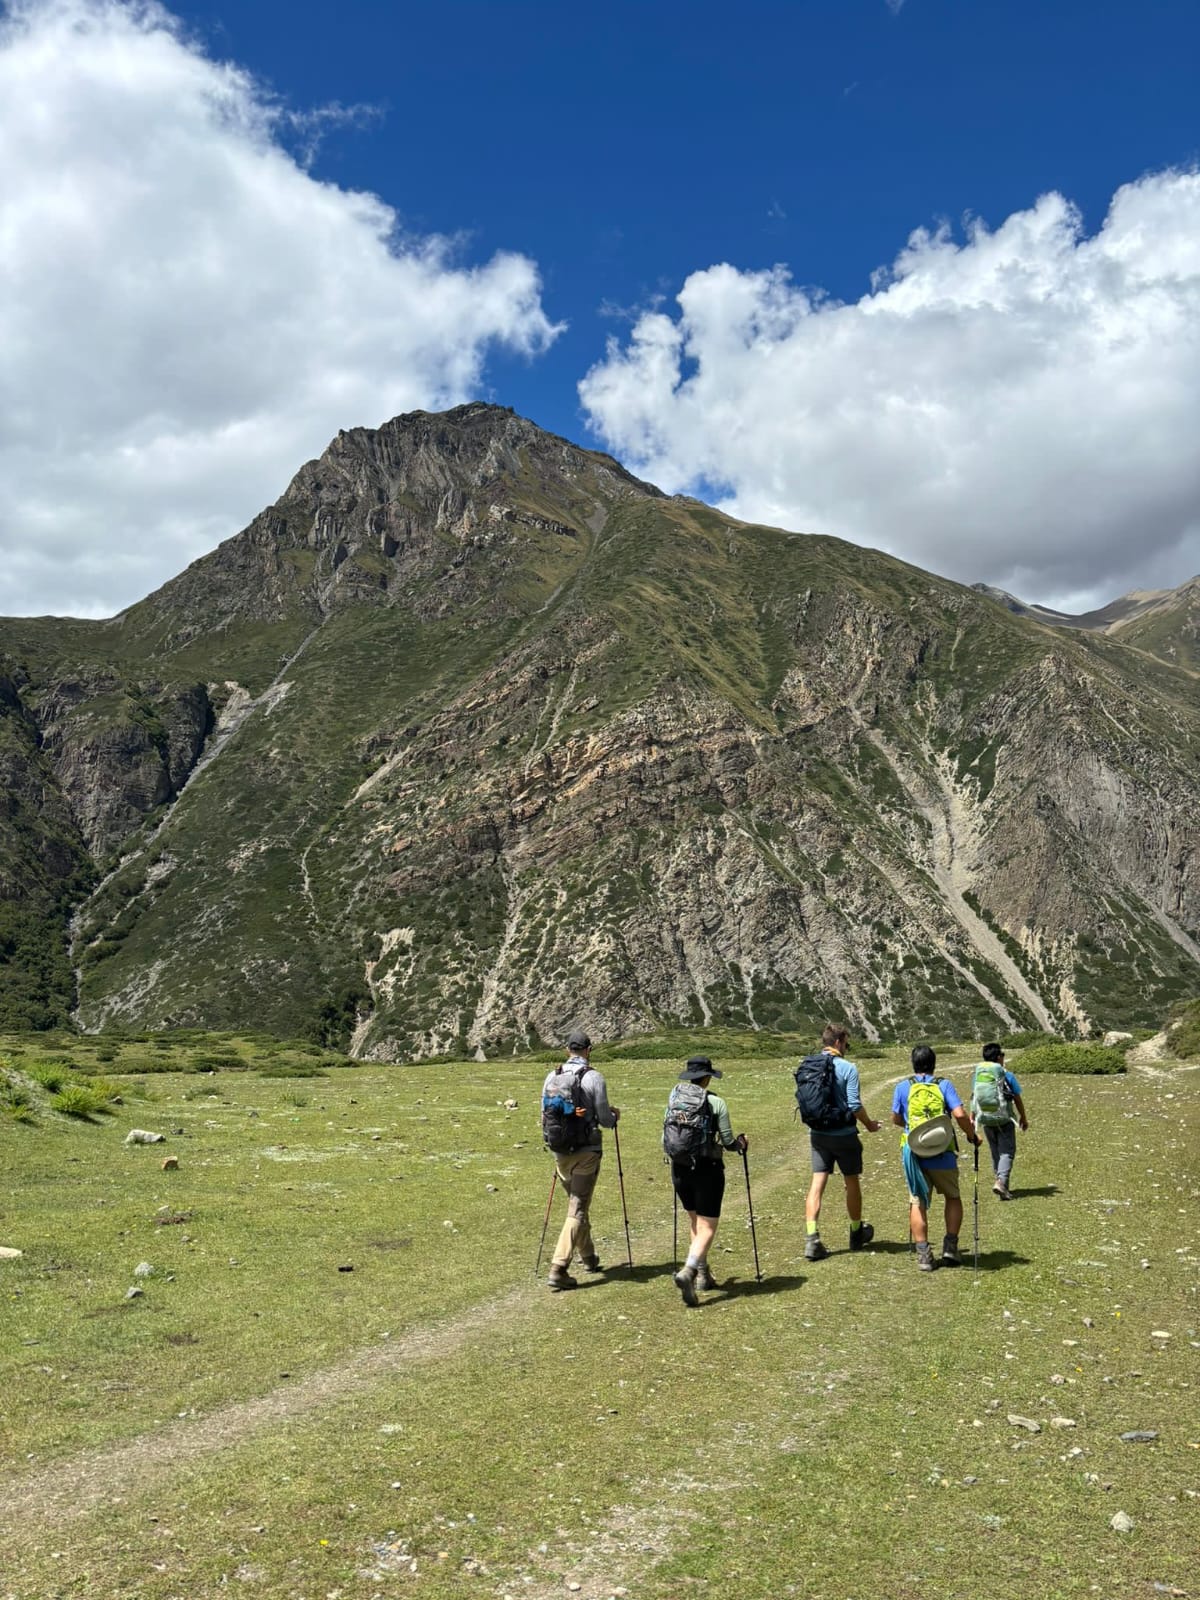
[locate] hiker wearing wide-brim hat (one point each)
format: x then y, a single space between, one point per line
696 1129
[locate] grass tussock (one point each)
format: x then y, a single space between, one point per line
1077 1059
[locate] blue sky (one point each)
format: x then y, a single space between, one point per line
624 145
651 227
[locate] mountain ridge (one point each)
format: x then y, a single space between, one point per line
511 738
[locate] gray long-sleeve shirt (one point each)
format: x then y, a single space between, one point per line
595 1092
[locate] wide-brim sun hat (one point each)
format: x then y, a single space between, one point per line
698 1067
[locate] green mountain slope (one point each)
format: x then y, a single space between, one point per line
472 735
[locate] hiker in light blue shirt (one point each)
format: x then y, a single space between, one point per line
838 1149
1002 1139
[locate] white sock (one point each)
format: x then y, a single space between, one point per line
695 1262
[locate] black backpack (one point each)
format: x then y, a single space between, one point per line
688 1125
819 1096
565 1119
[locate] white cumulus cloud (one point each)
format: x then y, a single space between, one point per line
1019 407
186 314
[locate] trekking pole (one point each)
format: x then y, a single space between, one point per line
750 1208
977 1210
545 1223
675 1228
624 1209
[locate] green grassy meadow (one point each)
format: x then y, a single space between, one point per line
433 1422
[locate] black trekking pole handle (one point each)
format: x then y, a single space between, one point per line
545 1223
624 1208
750 1208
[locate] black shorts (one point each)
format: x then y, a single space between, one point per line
844 1151
700 1188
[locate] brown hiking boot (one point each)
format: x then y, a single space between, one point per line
559 1279
591 1264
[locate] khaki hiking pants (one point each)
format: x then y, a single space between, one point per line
577 1172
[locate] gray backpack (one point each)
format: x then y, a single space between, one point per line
688 1125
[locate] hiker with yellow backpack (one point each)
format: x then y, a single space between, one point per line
927 1108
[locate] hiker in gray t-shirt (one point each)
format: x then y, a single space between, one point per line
579 1169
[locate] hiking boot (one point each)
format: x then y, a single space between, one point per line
704 1278
685 1282
861 1236
925 1261
559 1279
591 1264
814 1250
950 1255
1002 1190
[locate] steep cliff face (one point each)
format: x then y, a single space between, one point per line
473 735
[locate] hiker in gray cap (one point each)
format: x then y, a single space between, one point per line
574 1109
695 1131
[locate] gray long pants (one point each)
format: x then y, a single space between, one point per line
1002 1142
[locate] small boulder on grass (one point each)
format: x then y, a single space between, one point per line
144 1136
7 1253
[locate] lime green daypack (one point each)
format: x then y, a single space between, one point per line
991 1103
930 1126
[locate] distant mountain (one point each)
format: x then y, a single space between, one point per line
1163 622
473 735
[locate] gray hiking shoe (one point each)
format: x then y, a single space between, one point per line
1002 1190
950 1255
559 1279
925 1261
704 1278
861 1236
814 1250
685 1282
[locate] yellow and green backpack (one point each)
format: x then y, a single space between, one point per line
930 1130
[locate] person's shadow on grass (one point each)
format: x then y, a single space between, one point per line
1042 1191
734 1287
995 1260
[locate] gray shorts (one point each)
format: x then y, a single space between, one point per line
842 1151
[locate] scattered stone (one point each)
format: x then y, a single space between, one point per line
1121 1523
1027 1423
1070 1343
170 1164
491 1188
1062 1422
1057 1379
143 1270
1159 1333
144 1136
346 1269
134 1293
1088 1323
510 1105
7 1253
1139 1436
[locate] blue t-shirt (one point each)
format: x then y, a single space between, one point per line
948 1158
846 1074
